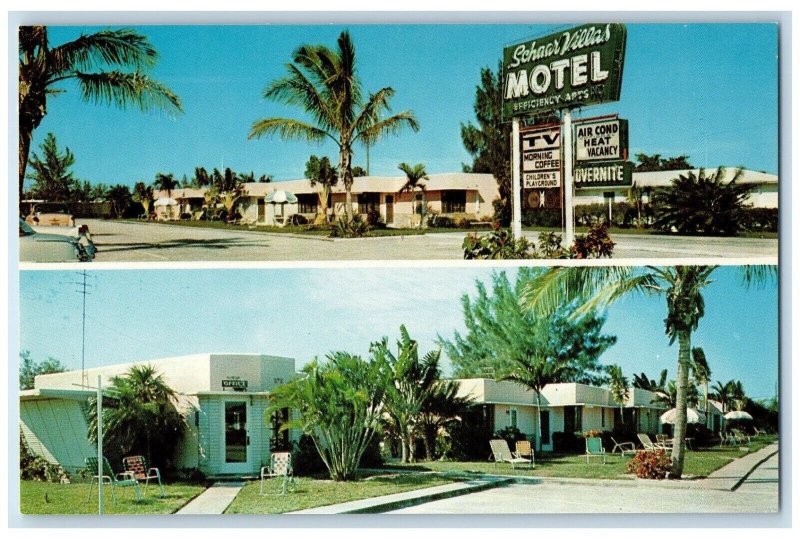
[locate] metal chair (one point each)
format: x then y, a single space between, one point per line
137 466
123 479
280 466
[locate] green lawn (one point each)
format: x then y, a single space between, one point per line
39 498
310 493
696 464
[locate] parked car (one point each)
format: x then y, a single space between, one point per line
50 214
36 246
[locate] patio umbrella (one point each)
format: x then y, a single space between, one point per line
166 202
738 414
280 197
692 416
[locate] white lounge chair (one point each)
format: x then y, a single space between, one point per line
502 453
624 447
280 466
648 444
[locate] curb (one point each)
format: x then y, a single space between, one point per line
379 506
756 465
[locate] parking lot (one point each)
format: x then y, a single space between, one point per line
119 241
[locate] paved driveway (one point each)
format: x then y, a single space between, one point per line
152 242
758 494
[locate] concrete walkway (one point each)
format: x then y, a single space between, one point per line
730 476
214 500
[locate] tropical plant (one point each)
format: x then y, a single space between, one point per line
229 188
619 387
338 404
489 142
140 417
738 396
501 244
30 369
535 371
442 409
324 84
641 381
165 182
498 329
410 382
109 67
650 464
595 287
349 227
703 204
319 171
669 395
143 194
414 176
52 175
120 198
650 163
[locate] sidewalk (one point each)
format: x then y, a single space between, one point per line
214 500
729 477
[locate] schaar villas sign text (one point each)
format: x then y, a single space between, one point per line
576 67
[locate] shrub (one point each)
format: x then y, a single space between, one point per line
567 442
305 458
595 244
512 435
500 244
542 217
441 221
594 433
35 468
762 219
469 438
650 464
349 228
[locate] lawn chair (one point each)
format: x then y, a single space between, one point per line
124 479
741 437
648 444
280 465
502 453
623 447
137 466
524 451
594 448
663 440
727 438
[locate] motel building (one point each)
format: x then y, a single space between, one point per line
566 407
459 195
222 397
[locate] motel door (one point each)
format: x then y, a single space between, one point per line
389 209
236 453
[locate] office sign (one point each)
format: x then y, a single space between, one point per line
576 67
604 174
601 140
541 156
234 384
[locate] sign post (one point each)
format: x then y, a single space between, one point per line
569 217
516 172
99 445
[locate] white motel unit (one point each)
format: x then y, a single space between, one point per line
223 398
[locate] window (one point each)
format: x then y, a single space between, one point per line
368 202
602 417
307 203
573 418
513 418
454 201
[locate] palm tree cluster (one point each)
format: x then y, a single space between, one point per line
140 417
730 395
414 176
324 84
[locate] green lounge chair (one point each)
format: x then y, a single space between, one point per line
124 479
594 448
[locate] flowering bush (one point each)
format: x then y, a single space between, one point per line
500 244
650 464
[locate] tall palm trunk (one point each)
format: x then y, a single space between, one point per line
678 441
538 443
24 149
345 161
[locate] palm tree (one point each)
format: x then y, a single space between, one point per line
682 286
723 392
411 381
142 418
324 84
442 408
618 384
738 396
414 175
535 371
702 373
165 182
669 396
143 194
85 60
641 381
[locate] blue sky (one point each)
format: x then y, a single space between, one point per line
706 90
302 313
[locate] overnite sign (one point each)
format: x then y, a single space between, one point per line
576 67
541 157
601 140
610 174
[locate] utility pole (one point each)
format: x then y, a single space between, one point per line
569 211
99 445
83 287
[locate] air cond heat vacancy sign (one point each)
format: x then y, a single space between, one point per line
575 67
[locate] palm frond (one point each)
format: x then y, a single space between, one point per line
127 90
758 275
297 90
388 126
288 129
123 47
